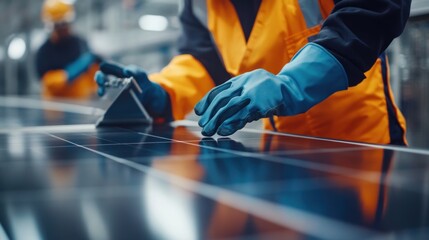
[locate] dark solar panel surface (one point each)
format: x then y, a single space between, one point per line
168 182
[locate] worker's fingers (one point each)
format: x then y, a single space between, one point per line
138 74
218 102
112 69
101 91
238 121
229 111
230 126
100 79
204 103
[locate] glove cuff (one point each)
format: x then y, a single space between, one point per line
157 101
313 75
318 61
79 66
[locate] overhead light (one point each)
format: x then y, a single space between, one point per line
71 2
16 49
153 22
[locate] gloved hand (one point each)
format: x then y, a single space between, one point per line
312 75
153 97
79 66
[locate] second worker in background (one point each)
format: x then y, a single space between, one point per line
64 62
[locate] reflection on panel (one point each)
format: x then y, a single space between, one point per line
171 183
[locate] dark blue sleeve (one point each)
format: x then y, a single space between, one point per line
358 31
41 65
52 56
196 40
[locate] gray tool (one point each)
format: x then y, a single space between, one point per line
126 109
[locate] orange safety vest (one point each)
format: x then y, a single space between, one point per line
55 85
364 113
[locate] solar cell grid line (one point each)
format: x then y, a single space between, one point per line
122 143
375 177
395 148
270 187
51 128
396 180
362 175
388 147
28 103
307 223
307 201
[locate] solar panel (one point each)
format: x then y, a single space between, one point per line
62 178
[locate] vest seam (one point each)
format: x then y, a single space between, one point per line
392 115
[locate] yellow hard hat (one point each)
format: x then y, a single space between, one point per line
56 11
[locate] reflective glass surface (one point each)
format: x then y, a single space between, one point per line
168 182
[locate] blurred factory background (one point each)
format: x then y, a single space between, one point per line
145 32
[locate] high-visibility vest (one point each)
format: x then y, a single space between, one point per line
364 113
55 84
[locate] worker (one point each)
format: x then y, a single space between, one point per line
64 62
310 67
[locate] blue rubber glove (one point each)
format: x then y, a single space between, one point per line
311 76
153 97
79 66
